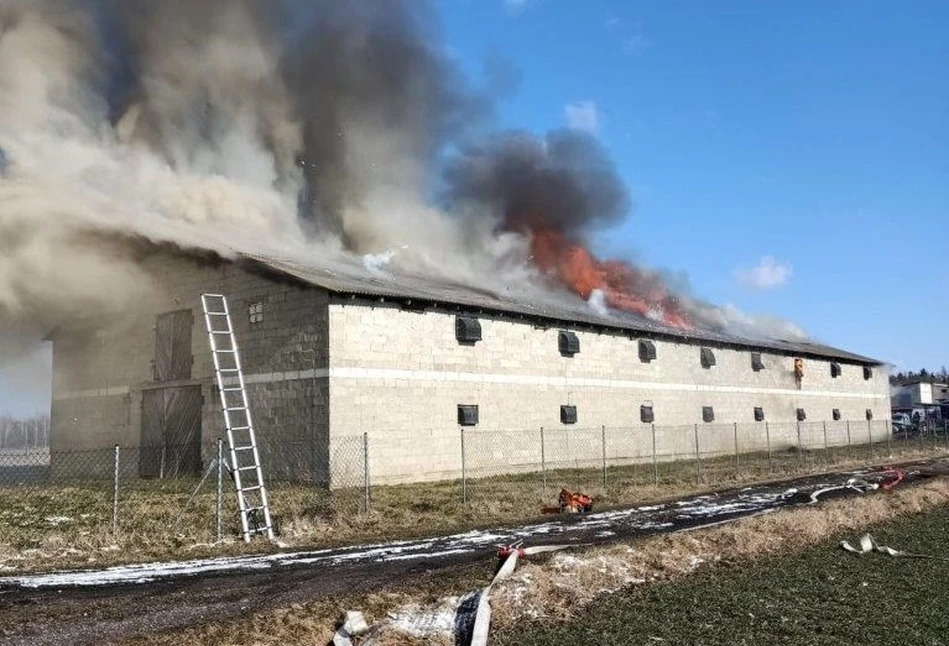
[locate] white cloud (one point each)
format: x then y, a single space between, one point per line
583 115
769 273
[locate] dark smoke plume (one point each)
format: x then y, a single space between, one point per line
565 183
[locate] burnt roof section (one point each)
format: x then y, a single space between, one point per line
350 277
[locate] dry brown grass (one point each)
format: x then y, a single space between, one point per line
563 584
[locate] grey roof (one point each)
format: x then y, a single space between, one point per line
349 276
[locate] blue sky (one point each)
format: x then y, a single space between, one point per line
815 134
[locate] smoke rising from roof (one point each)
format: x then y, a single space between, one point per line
296 127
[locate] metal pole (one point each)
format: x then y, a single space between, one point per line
767 440
889 449
945 427
115 495
365 471
220 489
543 461
603 444
826 448
870 436
698 458
849 442
800 446
464 471
655 460
737 459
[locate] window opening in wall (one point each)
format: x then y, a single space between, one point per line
568 414
835 414
467 330
708 414
646 414
756 363
467 415
647 351
256 312
867 373
799 370
759 414
834 370
869 414
569 343
801 415
707 357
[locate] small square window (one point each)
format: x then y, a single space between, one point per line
256 312
759 414
867 373
801 415
467 330
647 351
756 363
835 370
708 414
569 343
646 414
869 414
467 415
836 414
707 358
568 414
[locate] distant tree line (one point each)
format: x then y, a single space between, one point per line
23 433
934 377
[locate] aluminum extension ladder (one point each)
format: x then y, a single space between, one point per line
241 440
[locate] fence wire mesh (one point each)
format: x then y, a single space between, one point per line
171 493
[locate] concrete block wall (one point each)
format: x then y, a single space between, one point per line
399 375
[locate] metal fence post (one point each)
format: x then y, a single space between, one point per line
945 427
698 457
655 459
849 442
219 519
767 439
464 471
365 471
115 495
870 436
800 446
603 445
737 459
543 461
889 449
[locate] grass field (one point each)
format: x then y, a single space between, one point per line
821 595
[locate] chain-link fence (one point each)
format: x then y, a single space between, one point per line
177 495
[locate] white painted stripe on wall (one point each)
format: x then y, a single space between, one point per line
357 373
99 392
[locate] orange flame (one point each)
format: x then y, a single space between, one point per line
624 287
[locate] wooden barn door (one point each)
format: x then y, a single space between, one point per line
171 432
173 356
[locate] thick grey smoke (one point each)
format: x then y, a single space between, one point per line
565 182
298 127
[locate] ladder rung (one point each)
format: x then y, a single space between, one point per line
225 351
251 467
240 428
217 313
245 448
251 488
235 389
236 408
229 369
227 332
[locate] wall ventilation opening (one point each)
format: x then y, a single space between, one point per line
867 373
467 415
801 415
467 330
835 370
836 414
708 414
759 414
568 414
756 363
569 343
647 351
707 357
256 312
646 414
869 414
